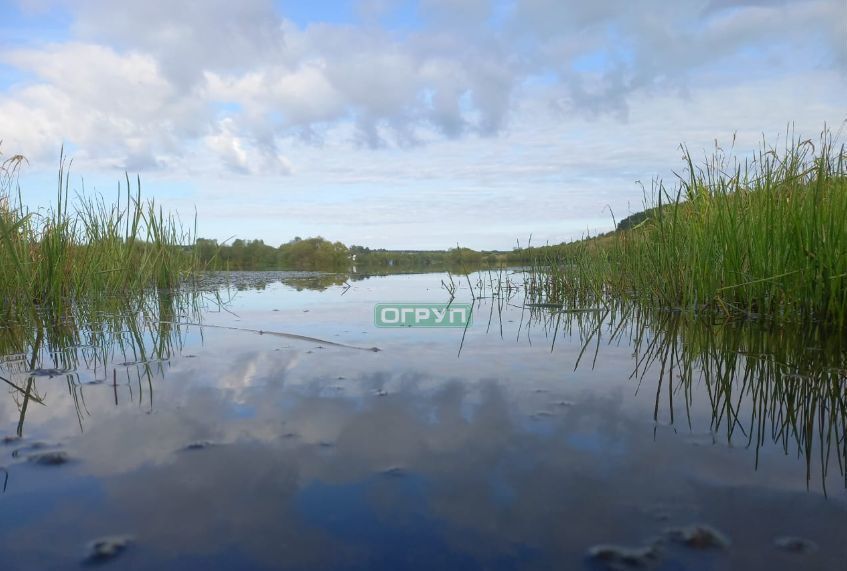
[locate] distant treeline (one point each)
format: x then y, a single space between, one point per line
321 254
308 254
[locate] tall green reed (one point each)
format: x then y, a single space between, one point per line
85 246
762 238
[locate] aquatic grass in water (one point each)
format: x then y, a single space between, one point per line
86 247
763 238
766 384
123 341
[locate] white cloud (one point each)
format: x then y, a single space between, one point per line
186 38
161 67
116 107
229 147
531 97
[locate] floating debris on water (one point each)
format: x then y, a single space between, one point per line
52 458
10 440
50 372
31 448
395 472
795 544
107 548
698 536
618 558
199 445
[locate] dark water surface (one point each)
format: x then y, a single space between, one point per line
188 447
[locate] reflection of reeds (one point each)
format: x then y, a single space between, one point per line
136 335
760 238
783 385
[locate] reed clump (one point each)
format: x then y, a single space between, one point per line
85 247
763 238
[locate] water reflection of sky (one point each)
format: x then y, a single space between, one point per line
316 456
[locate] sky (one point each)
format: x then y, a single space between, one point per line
410 124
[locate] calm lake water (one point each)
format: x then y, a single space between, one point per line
529 441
